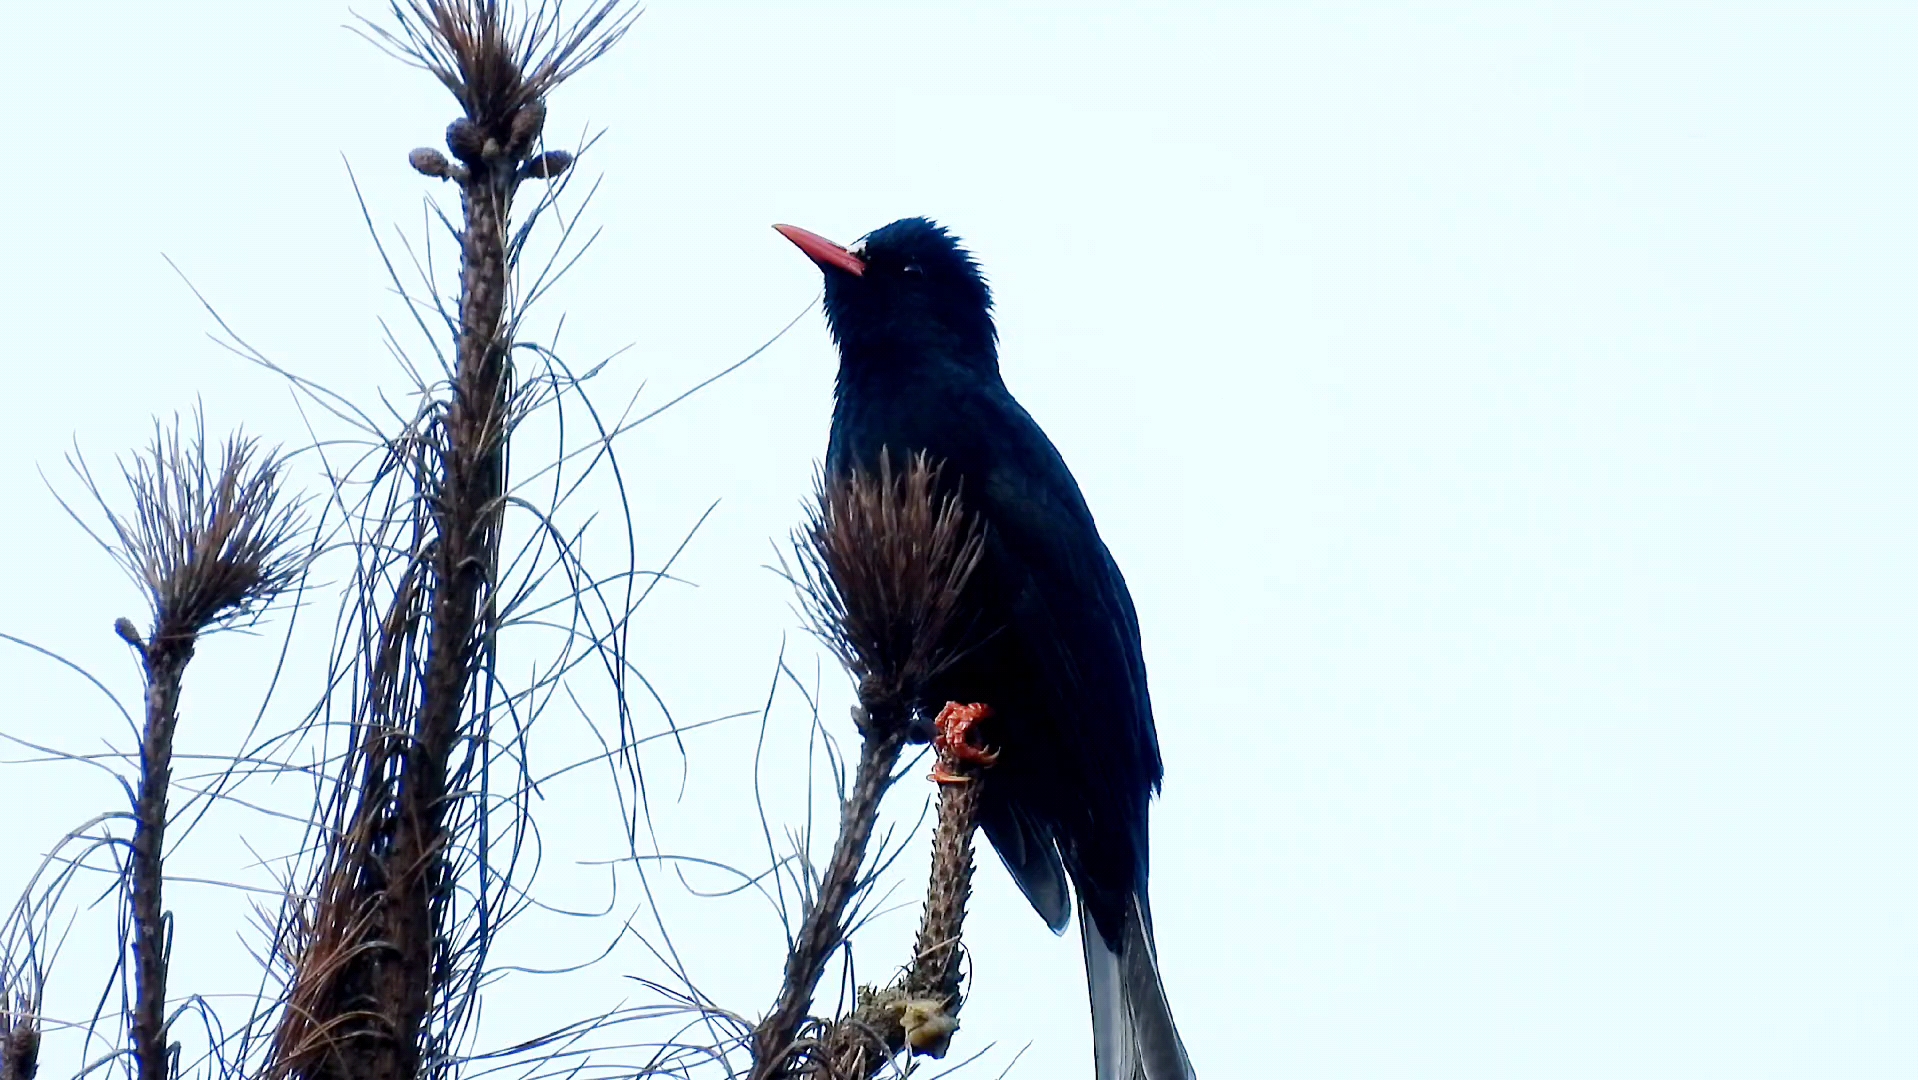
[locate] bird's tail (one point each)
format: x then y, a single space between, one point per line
1133 1036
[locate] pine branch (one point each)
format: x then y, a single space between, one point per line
883 563
212 542
920 1011
370 960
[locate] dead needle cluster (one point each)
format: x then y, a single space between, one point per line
212 536
884 560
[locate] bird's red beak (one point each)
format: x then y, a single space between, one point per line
823 251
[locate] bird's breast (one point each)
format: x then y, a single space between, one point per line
960 429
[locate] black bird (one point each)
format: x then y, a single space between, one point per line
1060 663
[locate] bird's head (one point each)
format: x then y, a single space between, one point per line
909 290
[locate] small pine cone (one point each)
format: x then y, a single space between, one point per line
547 166
524 129
467 142
430 162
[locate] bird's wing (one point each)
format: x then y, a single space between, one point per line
1073 614
1031 856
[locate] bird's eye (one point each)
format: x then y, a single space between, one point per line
913 268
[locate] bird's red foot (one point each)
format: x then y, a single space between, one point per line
953 726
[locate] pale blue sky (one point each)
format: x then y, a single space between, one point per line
1502 413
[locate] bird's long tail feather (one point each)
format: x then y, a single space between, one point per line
1133 1036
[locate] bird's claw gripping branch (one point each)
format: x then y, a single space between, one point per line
954 726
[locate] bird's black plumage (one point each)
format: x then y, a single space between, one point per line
1058 657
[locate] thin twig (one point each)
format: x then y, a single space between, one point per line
920 1011
166 660
823 930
